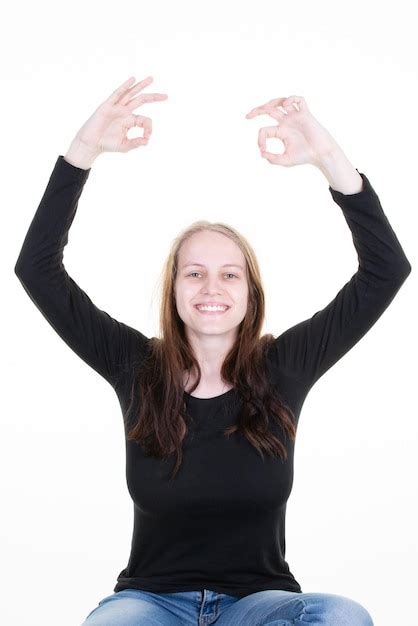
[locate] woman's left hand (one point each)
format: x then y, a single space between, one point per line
304 138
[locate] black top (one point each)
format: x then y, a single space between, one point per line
220 524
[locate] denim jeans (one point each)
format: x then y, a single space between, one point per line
133 607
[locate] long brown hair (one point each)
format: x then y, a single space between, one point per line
161 423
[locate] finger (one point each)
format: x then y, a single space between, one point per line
268 132
145 97
126 88
126 98
276 114
121 89
290 109
299 101
143 122
270 156
130 144
276 159
262 108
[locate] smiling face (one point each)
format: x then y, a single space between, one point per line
211 268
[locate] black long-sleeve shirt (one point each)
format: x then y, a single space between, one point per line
220 524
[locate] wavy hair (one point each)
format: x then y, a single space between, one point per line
160 424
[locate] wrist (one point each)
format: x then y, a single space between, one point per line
340 173
80 155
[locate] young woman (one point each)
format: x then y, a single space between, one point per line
210 394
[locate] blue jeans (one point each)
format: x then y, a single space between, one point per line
133 607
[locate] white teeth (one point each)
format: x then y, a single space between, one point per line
212 308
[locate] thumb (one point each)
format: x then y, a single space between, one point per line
276 159
135 142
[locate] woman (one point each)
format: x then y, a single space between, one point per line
209 544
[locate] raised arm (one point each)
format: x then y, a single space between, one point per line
100 340
308 349
103 342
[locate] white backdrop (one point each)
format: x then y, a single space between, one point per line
67 516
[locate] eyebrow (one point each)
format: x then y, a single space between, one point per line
225 265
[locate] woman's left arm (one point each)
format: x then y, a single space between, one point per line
308 349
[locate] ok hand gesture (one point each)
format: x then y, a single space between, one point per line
304 138
106 128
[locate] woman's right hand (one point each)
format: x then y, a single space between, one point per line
106 129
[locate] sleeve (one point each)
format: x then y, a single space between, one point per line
103 342
308 349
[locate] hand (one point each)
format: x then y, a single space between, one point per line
105 130
305 140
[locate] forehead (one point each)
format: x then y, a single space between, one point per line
210 248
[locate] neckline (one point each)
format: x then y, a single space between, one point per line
213 397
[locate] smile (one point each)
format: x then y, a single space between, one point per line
209 310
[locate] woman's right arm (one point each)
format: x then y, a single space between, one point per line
103 342
100 340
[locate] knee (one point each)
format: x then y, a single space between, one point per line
347 612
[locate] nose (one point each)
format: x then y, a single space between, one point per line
212 287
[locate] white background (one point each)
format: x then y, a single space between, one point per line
67 515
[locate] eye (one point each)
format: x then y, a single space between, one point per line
227 274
